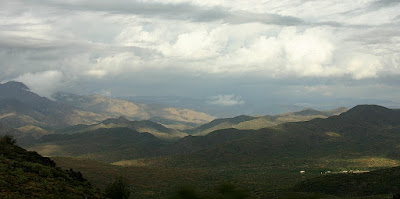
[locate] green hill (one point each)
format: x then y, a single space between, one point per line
28 175
106 144
350 138
265 161
223 123
364 131
244 122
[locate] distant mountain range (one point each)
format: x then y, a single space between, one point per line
124 133
361 132
33 116
244 122
21 108
110 108
142 126
102 128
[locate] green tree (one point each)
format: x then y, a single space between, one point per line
7 144
119 189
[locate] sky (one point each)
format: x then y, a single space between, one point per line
236 55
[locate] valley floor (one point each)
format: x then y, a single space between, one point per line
162 182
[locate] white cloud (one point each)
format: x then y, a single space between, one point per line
364 66
226 100
43 83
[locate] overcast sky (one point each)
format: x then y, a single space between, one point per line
227 52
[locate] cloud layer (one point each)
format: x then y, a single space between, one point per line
323 43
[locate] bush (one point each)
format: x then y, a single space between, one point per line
119 189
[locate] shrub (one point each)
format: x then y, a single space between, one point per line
119 189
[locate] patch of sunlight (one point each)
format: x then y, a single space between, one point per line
46 150
7 115
370 162
129 163
332 134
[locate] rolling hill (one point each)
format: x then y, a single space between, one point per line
363 131
105 144
366 131
244 122
266 160
143 126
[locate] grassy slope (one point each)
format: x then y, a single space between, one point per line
106 145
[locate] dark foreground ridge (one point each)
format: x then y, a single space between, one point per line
26 174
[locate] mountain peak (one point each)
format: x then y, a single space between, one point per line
15 85
123 119
308 111
119 120
367 108
372 114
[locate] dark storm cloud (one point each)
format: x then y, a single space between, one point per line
383 3
180 11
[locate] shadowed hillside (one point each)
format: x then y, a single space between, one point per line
28 175
106 144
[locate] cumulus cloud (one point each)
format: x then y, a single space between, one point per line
226 100
43 83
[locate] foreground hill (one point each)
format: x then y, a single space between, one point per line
244 122
28 175
112 108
